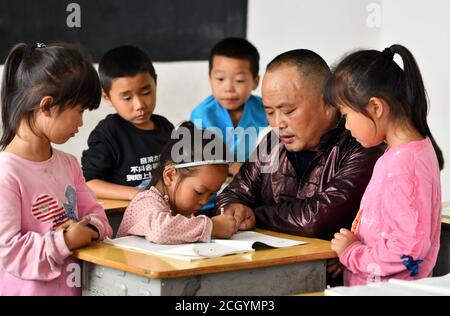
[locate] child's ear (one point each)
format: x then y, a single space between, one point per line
255 82
45 105
106 97
377 107
170 175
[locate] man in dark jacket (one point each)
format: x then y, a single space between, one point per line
320 171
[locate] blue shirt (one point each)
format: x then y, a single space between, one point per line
241 140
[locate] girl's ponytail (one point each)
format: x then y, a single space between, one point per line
416 97
9 89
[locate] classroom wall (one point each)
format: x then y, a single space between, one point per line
274 26
424 27
331 28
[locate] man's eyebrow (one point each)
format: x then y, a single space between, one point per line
280 106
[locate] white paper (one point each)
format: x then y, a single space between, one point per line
423 287
436 285
240 242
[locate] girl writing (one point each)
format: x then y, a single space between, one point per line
183 182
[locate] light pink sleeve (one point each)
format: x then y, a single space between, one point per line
404 232
29 256
160 226
87 203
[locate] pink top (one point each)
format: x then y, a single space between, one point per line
400 215
34 198
150 216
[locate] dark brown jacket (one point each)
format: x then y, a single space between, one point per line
326 199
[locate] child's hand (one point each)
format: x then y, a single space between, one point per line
224 226
78 234
245 218
64 226
342 240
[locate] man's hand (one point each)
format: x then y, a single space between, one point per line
245 218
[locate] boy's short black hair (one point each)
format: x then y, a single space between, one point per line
123 61
236 47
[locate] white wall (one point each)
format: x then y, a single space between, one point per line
331 28
424 27
327 27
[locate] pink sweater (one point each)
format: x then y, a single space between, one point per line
34 198
149 215
400 215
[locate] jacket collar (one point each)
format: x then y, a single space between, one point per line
329 138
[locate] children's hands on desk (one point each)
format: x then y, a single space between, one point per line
245 218
342 240
78 234
224 226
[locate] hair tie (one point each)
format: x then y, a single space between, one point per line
29 49
201 163
389 53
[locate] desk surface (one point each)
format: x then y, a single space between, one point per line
113 206
151 266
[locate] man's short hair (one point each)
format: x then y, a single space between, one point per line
123 61
235 47
307 62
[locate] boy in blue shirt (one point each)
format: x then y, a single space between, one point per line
240 116
124 148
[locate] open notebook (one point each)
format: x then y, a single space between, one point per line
423 287
239 243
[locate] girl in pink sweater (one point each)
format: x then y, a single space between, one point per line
46 208
183 182
397 231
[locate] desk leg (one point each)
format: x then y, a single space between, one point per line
288 279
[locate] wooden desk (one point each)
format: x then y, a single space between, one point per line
322 293
445 223
108 270
113 206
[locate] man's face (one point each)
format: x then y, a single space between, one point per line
295 108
